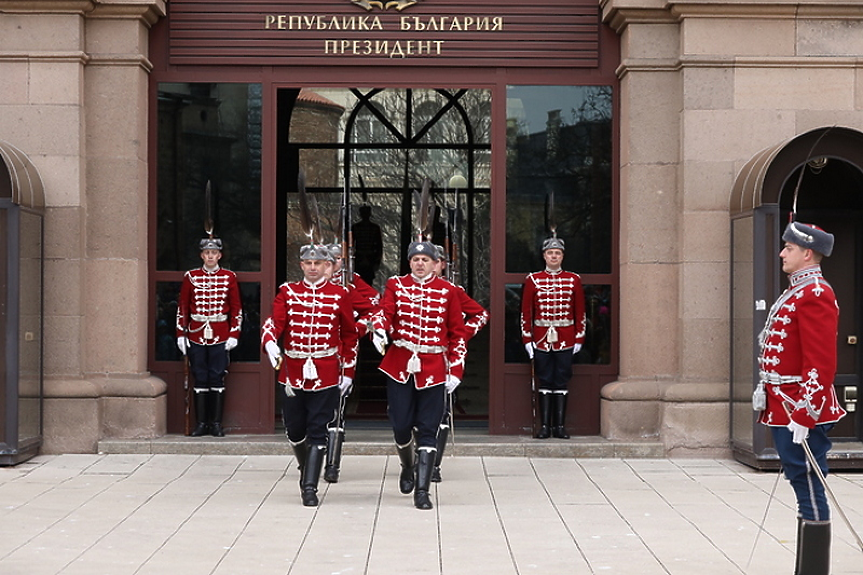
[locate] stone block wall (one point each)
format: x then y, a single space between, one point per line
704 87
74 98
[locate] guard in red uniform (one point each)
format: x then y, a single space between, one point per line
422 315
365 302
475 318
797 365
552 331
209 318
314 321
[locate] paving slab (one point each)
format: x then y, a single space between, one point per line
235 514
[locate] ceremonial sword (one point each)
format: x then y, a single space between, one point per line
810 458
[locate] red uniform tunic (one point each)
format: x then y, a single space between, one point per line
316 325
424 320
798 353
552 310
365 300
475 316
209 309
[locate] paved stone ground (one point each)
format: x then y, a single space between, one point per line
233 515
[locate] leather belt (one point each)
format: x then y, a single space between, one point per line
417 348
205 318
771 377
553 322
293 354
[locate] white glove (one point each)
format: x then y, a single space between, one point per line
799 432
528 347
452 383
345 383
274 352
230 344
183 344
379 339
576 348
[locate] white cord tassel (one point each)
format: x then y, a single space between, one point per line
552 335
309 369
414 364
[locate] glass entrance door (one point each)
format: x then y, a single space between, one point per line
210 136
381 145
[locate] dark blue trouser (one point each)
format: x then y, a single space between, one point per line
811 497
409 408
553 369
307 413
208 364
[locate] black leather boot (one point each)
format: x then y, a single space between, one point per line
218 407
425 464
311 474
301 453
407 458
202 404
559 429
544 416
813 547
335 439
442 436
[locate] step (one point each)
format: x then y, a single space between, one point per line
378 441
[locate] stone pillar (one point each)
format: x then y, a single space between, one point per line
74 98
650 199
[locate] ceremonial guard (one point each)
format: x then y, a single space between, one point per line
475 318
421 314
552 331
314 321
209 318
365 302
795 395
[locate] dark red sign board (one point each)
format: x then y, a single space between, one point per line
549 33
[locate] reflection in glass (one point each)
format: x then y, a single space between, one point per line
248 346
597 342
30 328
383 143
394 139
209 133
559 143
742 326
5 370
166 321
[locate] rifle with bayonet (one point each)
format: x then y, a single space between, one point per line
346 236
453 264
336 430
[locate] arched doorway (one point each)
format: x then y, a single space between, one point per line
825 168
22 212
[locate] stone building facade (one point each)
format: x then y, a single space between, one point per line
703 87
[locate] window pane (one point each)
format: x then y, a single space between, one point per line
209 133
597 341
166 321
559 146
395 135
392 139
